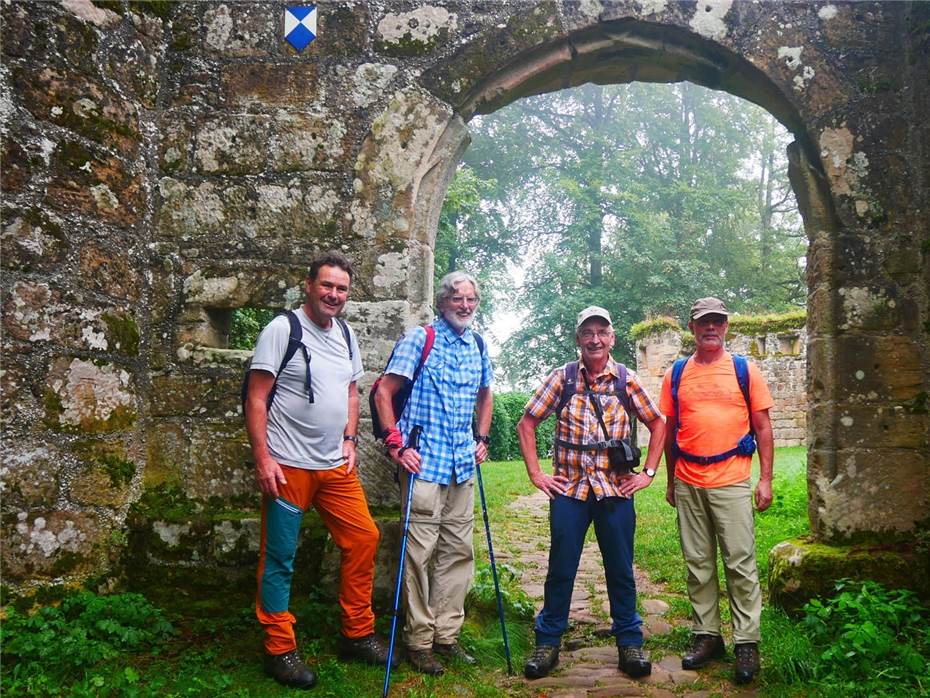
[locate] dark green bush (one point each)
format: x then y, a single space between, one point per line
245 326
56 644
508 409
869 640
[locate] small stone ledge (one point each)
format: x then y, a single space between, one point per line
800 569
212 356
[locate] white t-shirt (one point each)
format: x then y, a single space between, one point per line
300 434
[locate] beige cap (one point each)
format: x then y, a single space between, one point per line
708 306
590 312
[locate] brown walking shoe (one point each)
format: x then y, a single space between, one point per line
370 649
704 649
424 662
747 661
288 669
453 651
544 659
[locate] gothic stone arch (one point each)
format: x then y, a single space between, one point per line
163 166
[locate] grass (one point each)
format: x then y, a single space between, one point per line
222 656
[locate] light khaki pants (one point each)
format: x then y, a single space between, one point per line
724 516
440 561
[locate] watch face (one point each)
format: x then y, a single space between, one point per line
650 472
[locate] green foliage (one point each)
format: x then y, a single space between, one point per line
482 594
508 409
763 324
245 326
57 645
647 328
868 640
638 198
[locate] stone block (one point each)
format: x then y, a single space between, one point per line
167 448
310 141
18 404
81 104
194 395
242 30
106 476
417 32
232 144
32 239
111 270
30 475
135 59
878 368
18 165
221 462
42 545
95 185
271 84
800 570
88 397
342 30
536 23
865 426
174 146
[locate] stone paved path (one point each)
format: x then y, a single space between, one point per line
588 662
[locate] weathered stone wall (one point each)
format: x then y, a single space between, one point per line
166 163
781 356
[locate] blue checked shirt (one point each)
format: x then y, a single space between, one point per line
443 399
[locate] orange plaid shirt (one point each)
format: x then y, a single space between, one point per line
578 423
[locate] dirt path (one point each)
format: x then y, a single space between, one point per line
588 661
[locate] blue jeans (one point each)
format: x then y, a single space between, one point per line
614 524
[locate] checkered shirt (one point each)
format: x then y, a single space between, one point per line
578 423
443 399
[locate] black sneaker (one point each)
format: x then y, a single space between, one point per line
370 649
544 659
633 662
747 661
289 670
453 651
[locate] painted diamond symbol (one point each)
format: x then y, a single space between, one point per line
300 25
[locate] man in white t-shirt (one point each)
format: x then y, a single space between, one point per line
304 445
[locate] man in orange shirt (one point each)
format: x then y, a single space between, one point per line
708 482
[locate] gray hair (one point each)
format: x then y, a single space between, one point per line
448 283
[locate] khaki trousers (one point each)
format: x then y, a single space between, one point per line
440 560
724 516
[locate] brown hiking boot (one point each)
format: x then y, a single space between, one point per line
704 649
424 662
544 659
289 670
747 661
370 649
453 651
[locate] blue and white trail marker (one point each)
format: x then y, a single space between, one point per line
300 25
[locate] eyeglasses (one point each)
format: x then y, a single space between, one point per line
591 334
459 300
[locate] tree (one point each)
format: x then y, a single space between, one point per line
638 198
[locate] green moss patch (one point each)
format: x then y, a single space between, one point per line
766 324
122 333
654 326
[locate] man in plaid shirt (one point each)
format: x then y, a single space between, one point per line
585 489
454 384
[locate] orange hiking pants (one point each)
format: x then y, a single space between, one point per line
340 500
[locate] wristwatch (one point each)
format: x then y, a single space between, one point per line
482 438
649 472
350 437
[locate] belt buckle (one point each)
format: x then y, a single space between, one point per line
603 445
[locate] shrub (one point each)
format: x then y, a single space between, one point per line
869 640
508 409
58 643
483 596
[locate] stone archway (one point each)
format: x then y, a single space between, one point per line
825 168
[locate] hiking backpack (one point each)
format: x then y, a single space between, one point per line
403 395
294 344
746 446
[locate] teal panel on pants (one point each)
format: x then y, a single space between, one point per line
282 525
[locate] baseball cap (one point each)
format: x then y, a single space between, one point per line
590 312
708 306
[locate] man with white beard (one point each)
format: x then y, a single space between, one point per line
454 384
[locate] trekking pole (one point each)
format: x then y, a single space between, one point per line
413 441
497 586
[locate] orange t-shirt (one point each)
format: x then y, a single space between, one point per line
713 417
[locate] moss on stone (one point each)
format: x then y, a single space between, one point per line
160 9
759 325
654 326
123 332
109 457
919 405
112 5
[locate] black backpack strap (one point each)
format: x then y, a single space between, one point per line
569 386
294 343
345 334
479 340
